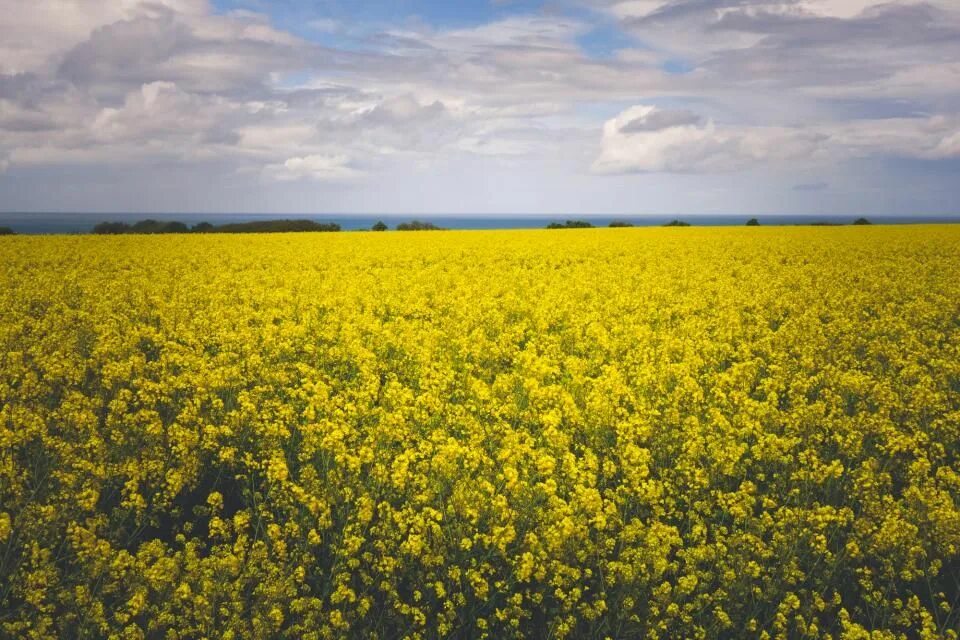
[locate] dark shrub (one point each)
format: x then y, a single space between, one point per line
262 226
277 226
175 227
418 225
379 226
861 221
147 226
621 223
7 231
112 228
156 226
570 224
677 223
753 222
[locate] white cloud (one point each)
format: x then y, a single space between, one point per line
162 110
34 33
323 168
645 139
139 86
948 147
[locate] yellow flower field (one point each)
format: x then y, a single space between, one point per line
623 433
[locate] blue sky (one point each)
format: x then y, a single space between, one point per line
522 106
460 13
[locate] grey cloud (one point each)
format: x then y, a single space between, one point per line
759 43
402 110
221 57
160 85
888 26
130 51
393 124
815 50
26 121
811 186
18 86
31 91
715 148
661 119
320 97
220 136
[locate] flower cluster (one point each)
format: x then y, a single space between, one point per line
639 433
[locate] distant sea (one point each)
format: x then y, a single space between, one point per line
71 223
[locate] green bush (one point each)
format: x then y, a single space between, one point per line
277 226
418 225
261 226
570 224
155 226
111 228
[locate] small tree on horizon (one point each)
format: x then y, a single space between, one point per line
150 226
7 231
379 226
176 227
111 228
753 222
861 221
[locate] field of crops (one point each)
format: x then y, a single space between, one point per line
623 433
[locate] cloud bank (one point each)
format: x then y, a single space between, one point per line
379 114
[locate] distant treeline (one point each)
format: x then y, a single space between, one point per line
415 225
150 226
583 224
274 226
752 222
7 231
570 224
858 221
260 226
